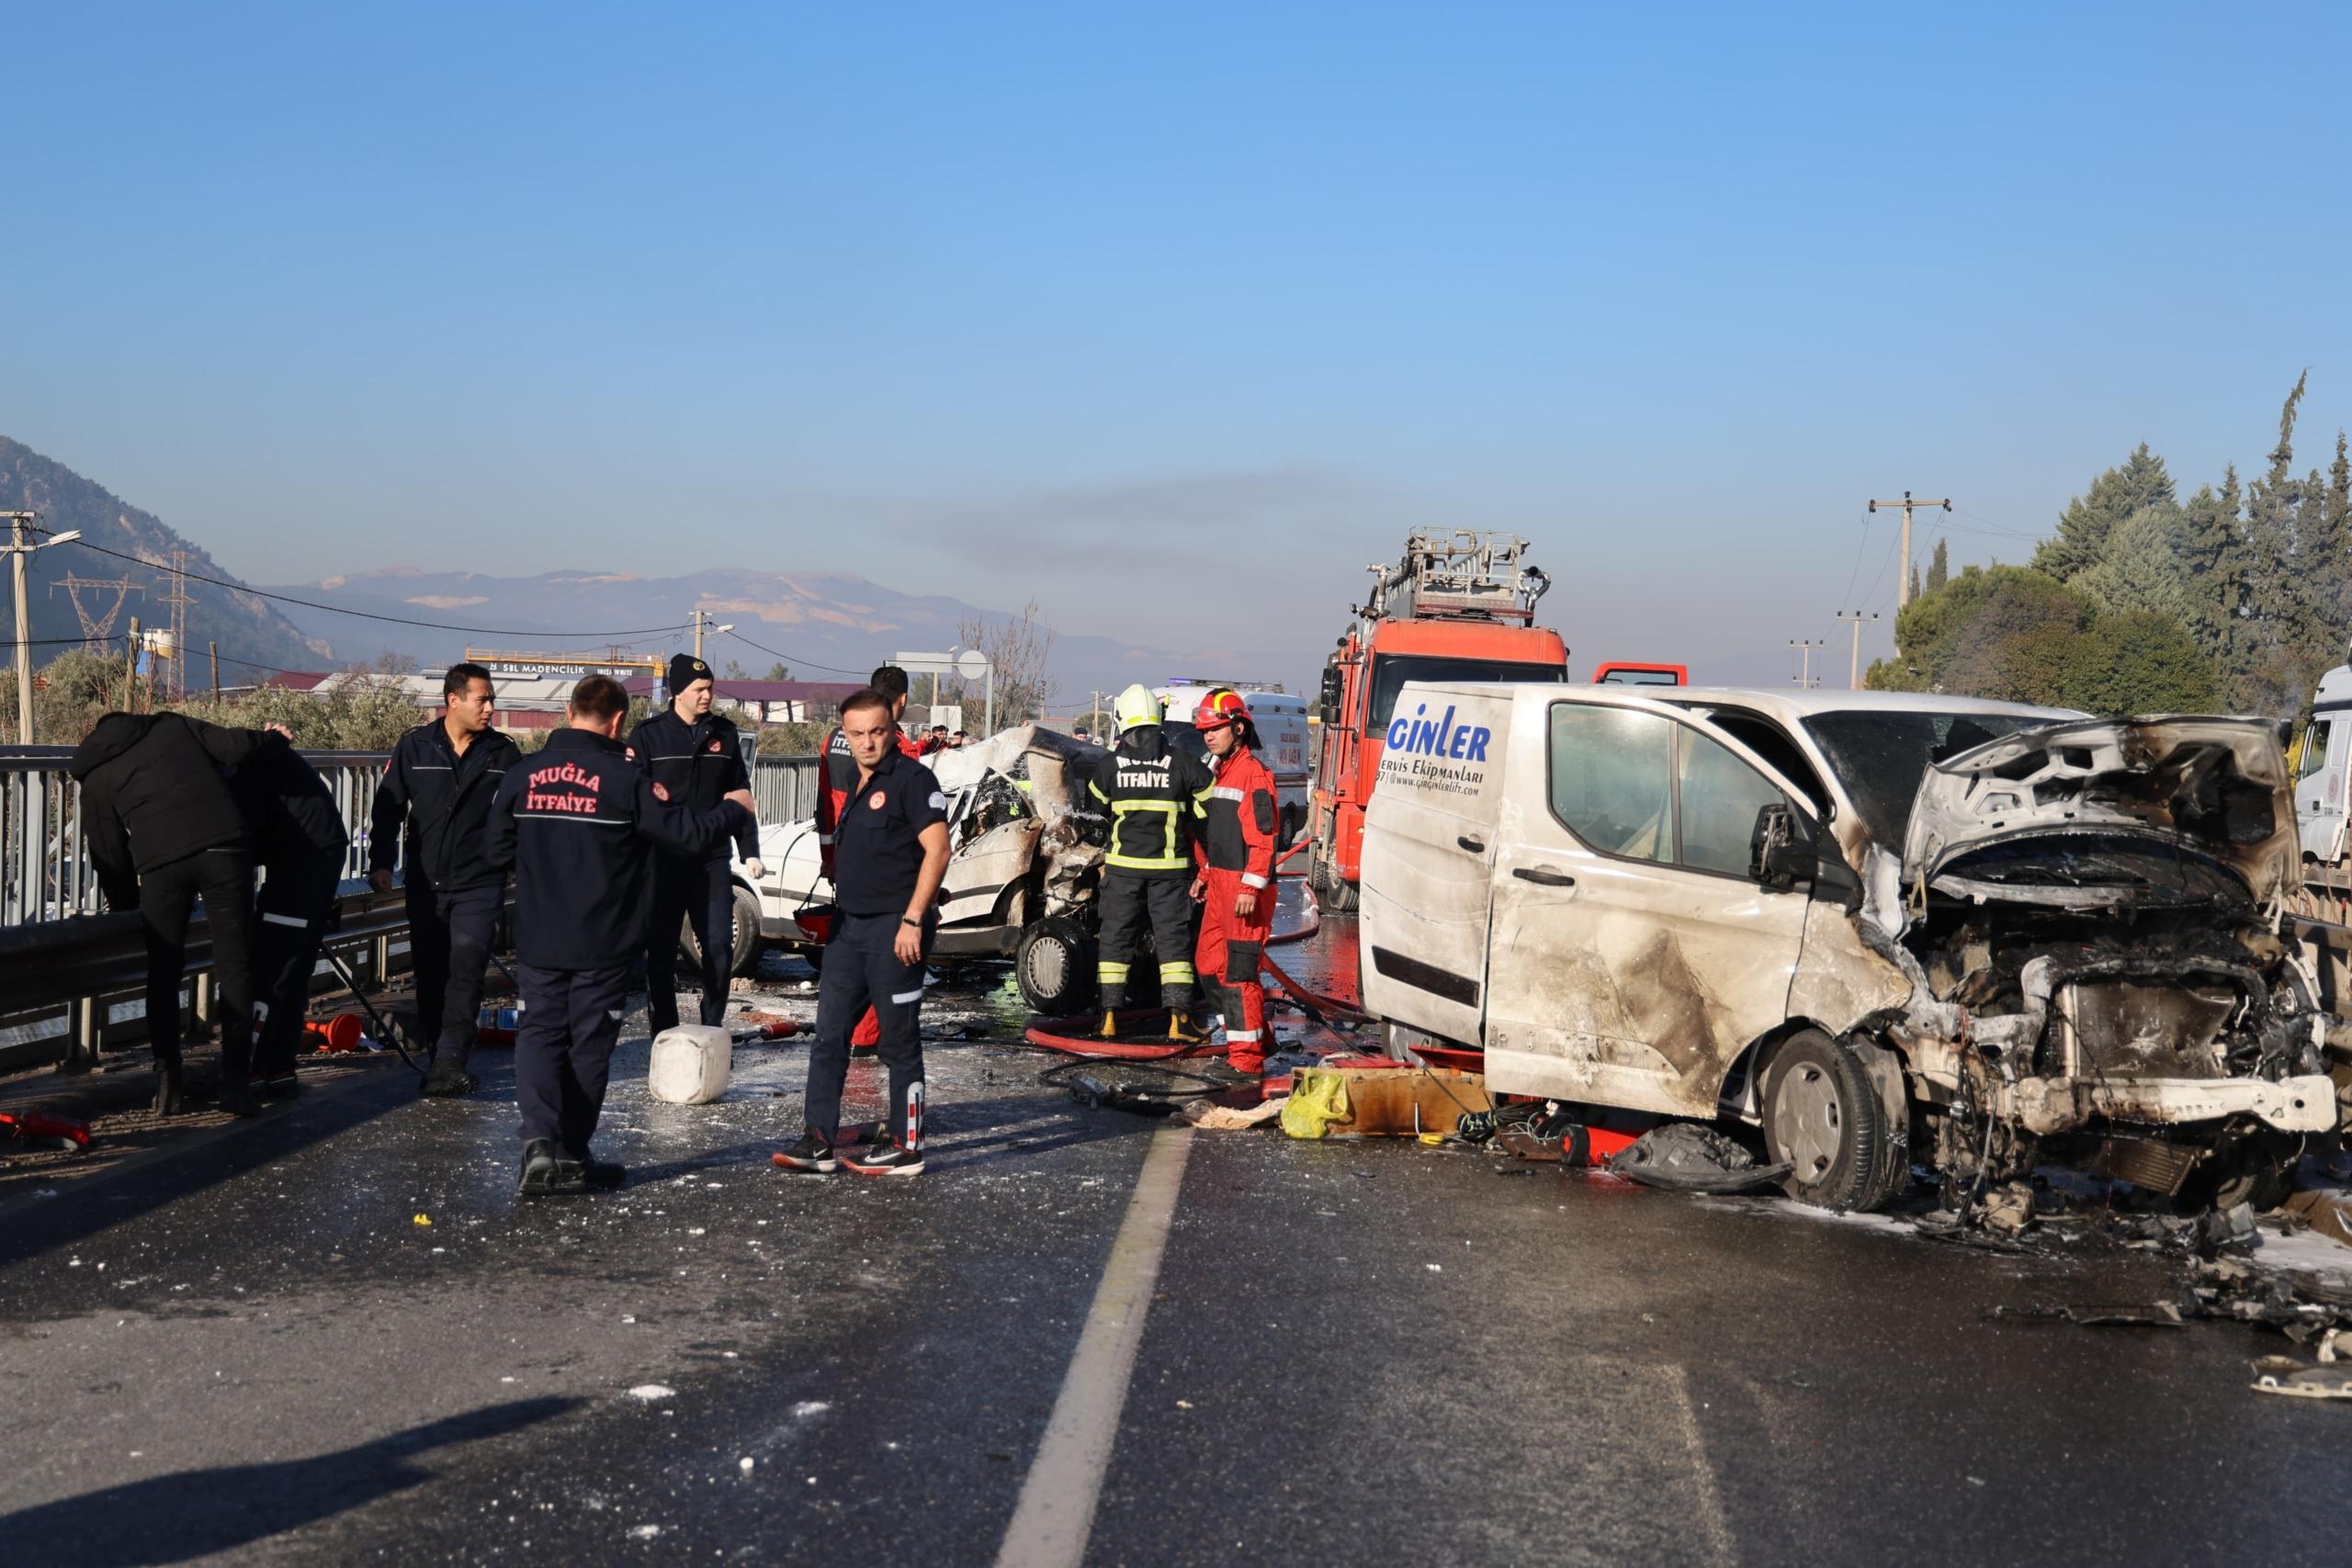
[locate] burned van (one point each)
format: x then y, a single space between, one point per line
1886 929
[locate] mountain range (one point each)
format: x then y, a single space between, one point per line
822 626
252 636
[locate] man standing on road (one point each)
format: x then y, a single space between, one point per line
841 778
1147 871
697 756
1236 883
889 855
577 823
442 777
164 828
303 847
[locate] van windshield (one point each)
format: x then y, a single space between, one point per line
1391 671
1882 757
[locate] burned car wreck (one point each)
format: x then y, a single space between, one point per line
2085 918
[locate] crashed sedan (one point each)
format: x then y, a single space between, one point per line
1882 930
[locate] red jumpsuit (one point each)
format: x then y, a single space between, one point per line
1236 852
841 777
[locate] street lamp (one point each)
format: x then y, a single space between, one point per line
20 549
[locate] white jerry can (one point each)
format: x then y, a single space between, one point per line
691 1063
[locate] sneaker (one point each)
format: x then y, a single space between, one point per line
538 1168
814 1152
885 1157
602 1175
447 1083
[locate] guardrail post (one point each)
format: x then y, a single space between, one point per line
83 1027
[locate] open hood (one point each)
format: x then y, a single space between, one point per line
2101 814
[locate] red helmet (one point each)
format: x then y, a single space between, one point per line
1219 709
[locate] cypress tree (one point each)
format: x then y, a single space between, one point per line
2139 482
1940 564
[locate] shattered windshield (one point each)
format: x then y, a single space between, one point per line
1880 757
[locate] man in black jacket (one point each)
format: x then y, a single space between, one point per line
164 831
303 845
576 822
697 756
442 777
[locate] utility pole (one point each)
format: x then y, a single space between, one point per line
1854 681
1903 583
702 619
214 648
131 671
21 551
1806 646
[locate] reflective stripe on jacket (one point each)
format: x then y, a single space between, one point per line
1239 813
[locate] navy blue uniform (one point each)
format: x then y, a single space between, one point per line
698 763
453 890
303 847
578 823
876 860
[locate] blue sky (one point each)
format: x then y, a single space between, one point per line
1174 317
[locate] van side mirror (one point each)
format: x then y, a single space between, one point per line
1781 853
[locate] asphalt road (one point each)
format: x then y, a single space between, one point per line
246 1348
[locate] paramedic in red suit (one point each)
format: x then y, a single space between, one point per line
1235 850
841 778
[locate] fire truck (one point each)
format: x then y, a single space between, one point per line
1458 607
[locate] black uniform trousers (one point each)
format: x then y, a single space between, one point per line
684 889
167 896
291 914
448 947
1132 908
862 970
563 1051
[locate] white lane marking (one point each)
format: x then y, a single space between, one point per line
1056 1514
1710 1523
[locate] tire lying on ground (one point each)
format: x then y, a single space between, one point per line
1823 1113
1054 967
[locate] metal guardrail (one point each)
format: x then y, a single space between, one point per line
72 978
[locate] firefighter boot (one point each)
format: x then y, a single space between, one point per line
1110 1030
1182 1030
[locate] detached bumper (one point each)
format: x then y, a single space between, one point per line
2291 1105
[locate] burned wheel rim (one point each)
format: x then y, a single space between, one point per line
1808 1121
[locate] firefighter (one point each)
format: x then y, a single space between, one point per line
440 782
892 856
164 828
1147 874
304 846
579 907
697 756
841 778
1236 882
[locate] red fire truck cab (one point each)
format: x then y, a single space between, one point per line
1459 606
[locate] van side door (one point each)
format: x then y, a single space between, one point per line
1632 956
1429 855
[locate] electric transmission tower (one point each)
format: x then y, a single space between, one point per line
179 600
97 629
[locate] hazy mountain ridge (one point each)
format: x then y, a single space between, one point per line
245 626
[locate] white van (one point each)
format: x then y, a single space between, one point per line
1280 719
1884 928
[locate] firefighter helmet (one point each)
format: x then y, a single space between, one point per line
1136 708
1219 709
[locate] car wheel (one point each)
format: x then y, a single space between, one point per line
1823 1115
1054 967
746 931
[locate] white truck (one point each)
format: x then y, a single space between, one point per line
2323 758
1881 928
1282 724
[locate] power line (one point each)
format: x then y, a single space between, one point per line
791 661
371 615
